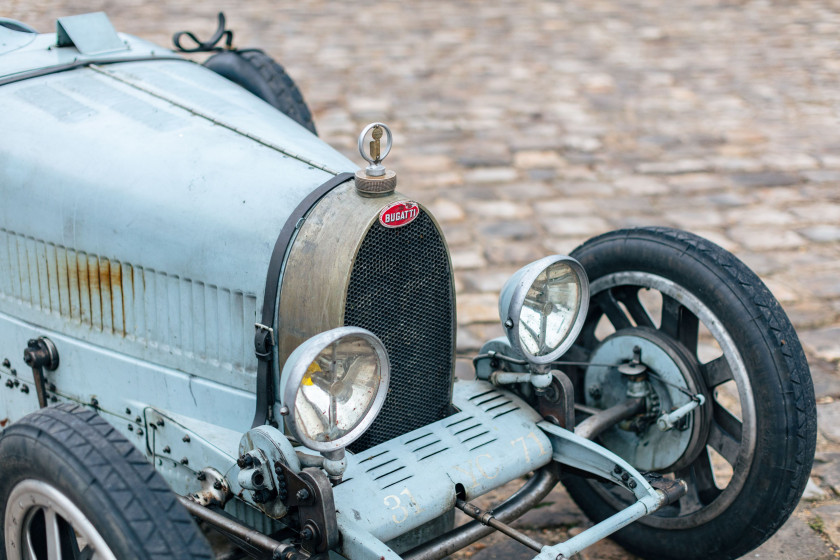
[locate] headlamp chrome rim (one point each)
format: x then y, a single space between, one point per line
296 367
524 278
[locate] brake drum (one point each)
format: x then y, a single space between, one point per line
673 376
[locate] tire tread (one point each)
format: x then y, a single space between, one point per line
154 522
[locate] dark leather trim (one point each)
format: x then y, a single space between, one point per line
265 352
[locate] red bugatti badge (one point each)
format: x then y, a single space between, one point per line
398 214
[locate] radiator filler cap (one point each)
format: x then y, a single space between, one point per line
375 180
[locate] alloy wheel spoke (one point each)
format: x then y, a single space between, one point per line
716 372
53 534
30 547
608 304
587 338
629 296
701 475
69 544
722 439
727 421
679 323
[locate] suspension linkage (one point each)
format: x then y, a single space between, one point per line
486 518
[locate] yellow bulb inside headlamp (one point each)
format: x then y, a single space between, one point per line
338 389
310 371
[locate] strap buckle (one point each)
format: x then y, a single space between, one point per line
263 342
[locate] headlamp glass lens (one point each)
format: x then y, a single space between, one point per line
338 389
550 309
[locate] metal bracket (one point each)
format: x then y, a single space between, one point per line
40 354
311 492
215 489
557 403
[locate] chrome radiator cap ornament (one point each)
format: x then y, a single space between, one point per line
375 180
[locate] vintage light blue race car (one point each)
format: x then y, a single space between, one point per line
208 313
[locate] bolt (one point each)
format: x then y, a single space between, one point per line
186 438
7 363
509 323
52 387
24 389
278 470
632 484
307 534
94 402
625 477
13 371
128 411
10 384
139 432
241 462
249 461
138 420
302 494
167 449
217 484
262 495
618 469
201 476
54 398
160 421
595 392
130 428
185 461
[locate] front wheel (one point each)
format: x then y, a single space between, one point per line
71 486
702 323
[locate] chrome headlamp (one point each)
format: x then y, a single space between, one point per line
334 385
543 307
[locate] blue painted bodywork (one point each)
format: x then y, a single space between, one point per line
174 184
136 234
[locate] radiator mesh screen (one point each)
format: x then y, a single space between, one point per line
401 290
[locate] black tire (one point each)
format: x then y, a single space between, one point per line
766 482
71 451
261 75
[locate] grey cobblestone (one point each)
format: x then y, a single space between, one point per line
528 129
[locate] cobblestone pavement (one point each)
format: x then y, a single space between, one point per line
531 126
